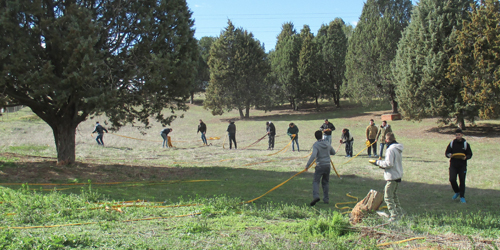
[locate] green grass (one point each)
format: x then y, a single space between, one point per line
279 220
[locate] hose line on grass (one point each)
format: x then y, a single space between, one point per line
281 184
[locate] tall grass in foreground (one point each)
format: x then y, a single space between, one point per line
213 223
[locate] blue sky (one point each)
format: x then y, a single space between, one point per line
265 18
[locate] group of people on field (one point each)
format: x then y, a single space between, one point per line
458 150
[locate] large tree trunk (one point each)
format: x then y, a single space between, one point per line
241 113
292 103
317 104
64 136
247 111
191 100
394 105
461 122
336 98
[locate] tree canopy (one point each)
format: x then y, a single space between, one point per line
423 58
372 50
284 60
332 42
238 71
71 60
476 66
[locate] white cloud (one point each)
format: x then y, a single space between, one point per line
354 23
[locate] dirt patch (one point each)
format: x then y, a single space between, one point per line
392 239
31 169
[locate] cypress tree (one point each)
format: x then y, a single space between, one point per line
423 58
309 67
284 60
476 66
332 43
238 70
71 60
372 50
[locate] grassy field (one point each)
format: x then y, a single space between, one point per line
222 179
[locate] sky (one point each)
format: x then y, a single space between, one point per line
265 18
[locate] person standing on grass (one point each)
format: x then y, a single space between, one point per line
371 135
348 140
327 129
203 129
164 134
383 130
459 152
322 150
231 132
393 166
293 132
100 132
271 132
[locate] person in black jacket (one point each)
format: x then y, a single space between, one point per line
271 132
164 134
348 140
231 132
203 129
327 129
459 152
100 132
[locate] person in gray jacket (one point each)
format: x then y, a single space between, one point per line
321 152
393 166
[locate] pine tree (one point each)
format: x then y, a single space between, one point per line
371 50
476 66
203 72
284 60
309 67
333 48
70 60
238 70
422 62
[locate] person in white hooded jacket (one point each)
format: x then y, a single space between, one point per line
393 166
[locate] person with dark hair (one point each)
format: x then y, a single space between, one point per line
321 153
271 132
371 135
383 130
459 152
327 129
231 132
348 140
393 166
164 134
293 132
100 133
203 129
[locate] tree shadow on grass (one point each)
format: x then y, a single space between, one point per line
309 112
177 184
481 130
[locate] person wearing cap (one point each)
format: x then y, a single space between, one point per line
322 150
293 132
327 129
371 135
231 132
459 152
271 132
203 129
100 133
383 130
